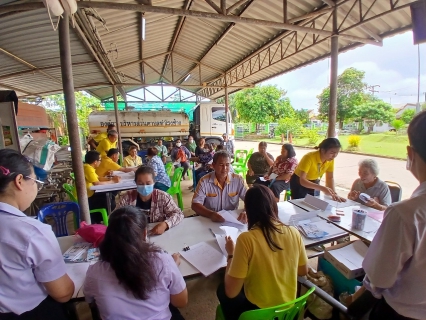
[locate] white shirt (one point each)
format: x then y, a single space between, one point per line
395 263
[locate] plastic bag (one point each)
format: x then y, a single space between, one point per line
318 307
93 233
41 153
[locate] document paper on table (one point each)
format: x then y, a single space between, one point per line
205 258
229 217
313 227
221 240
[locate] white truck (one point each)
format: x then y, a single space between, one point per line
145 127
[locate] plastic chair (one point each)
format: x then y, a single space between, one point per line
169 169
242 169
286 311
395 190
59 211
240 157
175 187
72 194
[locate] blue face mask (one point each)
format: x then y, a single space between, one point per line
145 190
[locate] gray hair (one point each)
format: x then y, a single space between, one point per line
370 164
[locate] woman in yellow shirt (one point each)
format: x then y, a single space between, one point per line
262 270
132 160
307 176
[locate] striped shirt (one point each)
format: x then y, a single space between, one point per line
210 194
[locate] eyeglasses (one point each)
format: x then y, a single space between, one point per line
38 182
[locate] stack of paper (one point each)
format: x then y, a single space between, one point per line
311 230
77 253
221 240
313 227
205 258
230 219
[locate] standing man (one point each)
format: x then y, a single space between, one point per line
162 150
110 142
101 136
219 190
228 144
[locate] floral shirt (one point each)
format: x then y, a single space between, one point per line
282 166
157 165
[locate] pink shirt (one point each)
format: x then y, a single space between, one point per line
115 302
29 255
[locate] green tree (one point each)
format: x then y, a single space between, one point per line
262 104
85 103
408 115
397 124
291 125
350 93
302 115
373 111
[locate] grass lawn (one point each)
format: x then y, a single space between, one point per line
380 144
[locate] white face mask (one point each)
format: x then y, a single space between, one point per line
191 141
178 144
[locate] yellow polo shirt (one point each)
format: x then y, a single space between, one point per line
312 165
104 146
106 165
90 177
129 162
270 277
101 136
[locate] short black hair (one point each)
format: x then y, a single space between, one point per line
417 133
144 170
152 151
112 152
290 150
221 154
13 163
91 156
329 143
110 126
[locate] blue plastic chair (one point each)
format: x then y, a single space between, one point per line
59 211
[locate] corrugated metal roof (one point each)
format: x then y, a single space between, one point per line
29 49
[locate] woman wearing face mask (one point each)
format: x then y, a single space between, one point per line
162 179
369 183
191 145
180 154
156 204
306 177
395 261
134 279
33 277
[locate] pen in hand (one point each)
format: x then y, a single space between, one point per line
214 235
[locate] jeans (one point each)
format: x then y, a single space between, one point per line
298 191
161 186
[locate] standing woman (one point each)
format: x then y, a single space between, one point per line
132 160
262 270
259 163
134 279
162 179
307 176
33 278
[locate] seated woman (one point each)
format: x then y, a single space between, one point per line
205 159
33 276
262 270
134 277
132 160
180 155
109 164
283 167
259 164
370 184
200 149
162 179
158 205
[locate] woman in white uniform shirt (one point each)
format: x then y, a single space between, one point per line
33 278
395 262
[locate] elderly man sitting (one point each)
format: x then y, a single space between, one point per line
219 190
370 184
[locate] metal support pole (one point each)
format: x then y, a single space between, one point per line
117 122
332 109
226 108
71 113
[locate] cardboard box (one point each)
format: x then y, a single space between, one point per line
347 258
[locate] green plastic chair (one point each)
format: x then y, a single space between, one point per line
286 311
72 176
240 157
175 187
72 194
169 169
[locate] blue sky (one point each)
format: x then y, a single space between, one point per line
392 66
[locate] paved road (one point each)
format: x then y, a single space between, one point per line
346 168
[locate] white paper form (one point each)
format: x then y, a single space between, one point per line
77 273
124 175
221 240
205 258
351 255
229 217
